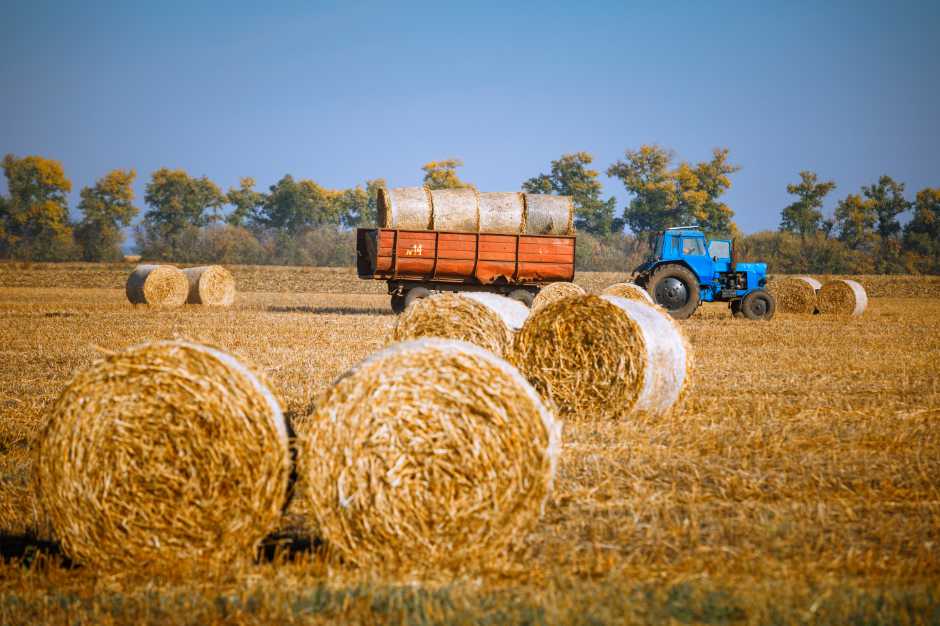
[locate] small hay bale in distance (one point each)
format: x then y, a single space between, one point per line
556 291
166 455
795 294
431 454
512 312
630 291
157 285
211 285
842 297
603 357
452 316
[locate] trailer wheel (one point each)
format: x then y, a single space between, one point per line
398 304
414 294
758 305
675 288
522 295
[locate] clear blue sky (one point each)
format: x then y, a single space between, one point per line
340 92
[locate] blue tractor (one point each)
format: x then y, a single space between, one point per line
684 269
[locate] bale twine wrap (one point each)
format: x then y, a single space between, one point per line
158 285
212 285
512 312
842 297
603 357
408 208
456 210
795 294
502 212
428 454
630 291
167 454
548 214
556 291
452 316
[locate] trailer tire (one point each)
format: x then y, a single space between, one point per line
414 294
758 305
669 284
522 295
398 304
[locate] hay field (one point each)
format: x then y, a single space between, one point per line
799 484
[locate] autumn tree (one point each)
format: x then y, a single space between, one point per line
443 174
179 204
245 202
34 219
855 220
922 233
887 200
293 205
570 176
804 216
359 205
106 208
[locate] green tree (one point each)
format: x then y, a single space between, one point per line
855 218
804 216
106 208
443 174
179 206
922 233
34 219
887 199
701 191
570 176
245 200
646 176
294 205
360 205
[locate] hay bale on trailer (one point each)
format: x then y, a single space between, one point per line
502 212
164 455
212 285
796 294
842 297
157 285
603 357
430 454
407 208
630 291
452 316
512 312
554 292
455 210
548 214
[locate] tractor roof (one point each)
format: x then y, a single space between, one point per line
686 230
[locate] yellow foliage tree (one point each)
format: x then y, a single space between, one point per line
34 219
443 174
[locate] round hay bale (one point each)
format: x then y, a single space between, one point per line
795 294
630 291
452 316
502 212
512 312
408 208
212 285
556 291
428 454
165 454
455 210
158 285
548 214
842 297
603 357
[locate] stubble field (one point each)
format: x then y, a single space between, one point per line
799 483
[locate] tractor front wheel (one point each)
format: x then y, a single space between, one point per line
758 305
675 288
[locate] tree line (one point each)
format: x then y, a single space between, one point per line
300 222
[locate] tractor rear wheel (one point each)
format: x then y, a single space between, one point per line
758 305
675 288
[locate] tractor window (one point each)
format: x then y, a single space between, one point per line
675 246
720 249
692 247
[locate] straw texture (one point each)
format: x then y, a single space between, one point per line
502 212
158 285
548 214
166 455
842 297
211 285
795 294
455 210
428 455
630 291
512 312
603 357
407 208
554 292
452 316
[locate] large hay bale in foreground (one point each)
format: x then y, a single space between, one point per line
166 455
502 212
158 285
795 294
456 210
429 454
408 208
212 285
512 312
452 316
603 357
842 297
556 291
630 291
548 214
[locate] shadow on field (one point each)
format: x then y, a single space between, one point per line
329 310
26 548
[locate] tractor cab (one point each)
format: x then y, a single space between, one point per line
685 269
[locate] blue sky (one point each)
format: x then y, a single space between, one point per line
342 92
